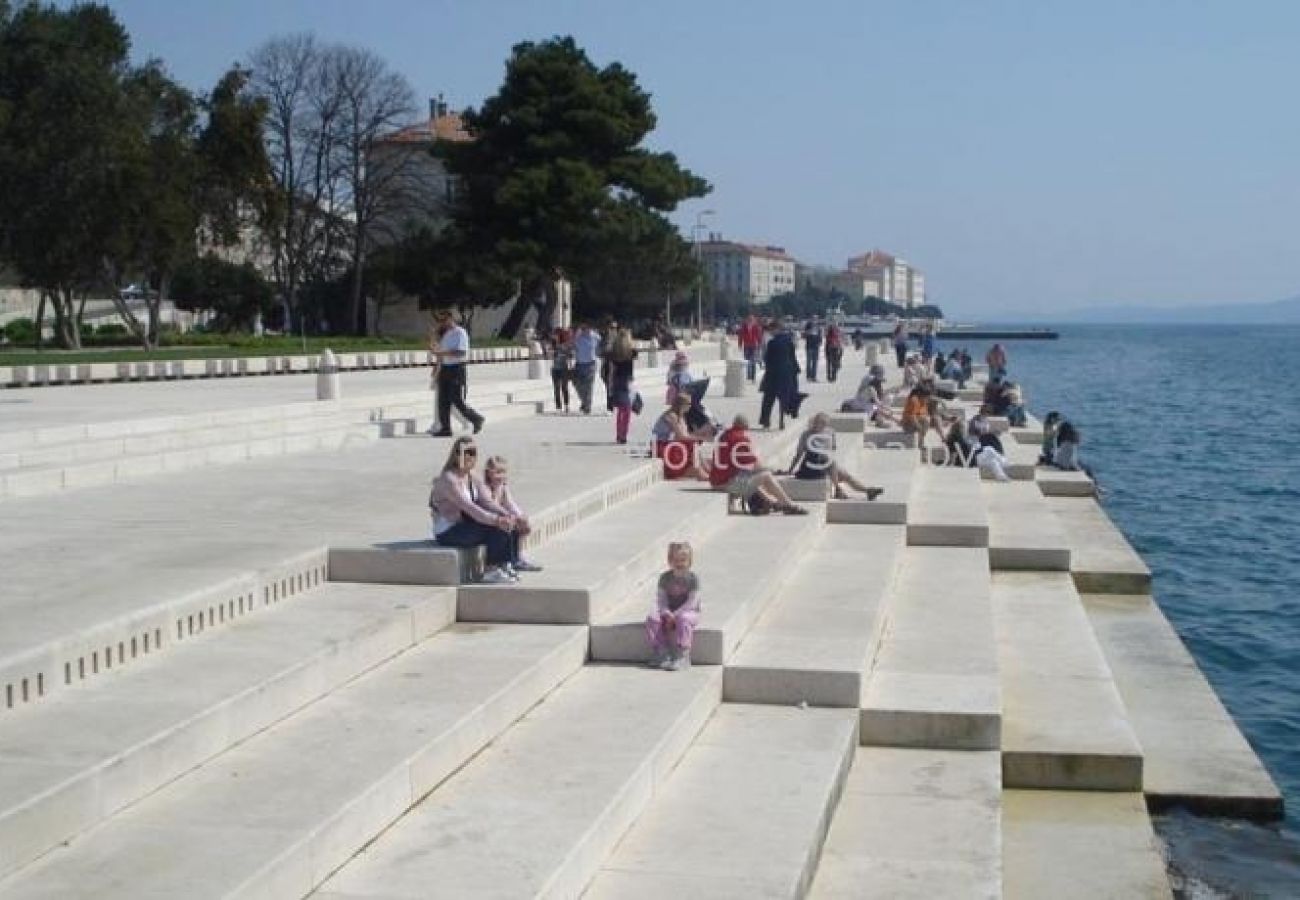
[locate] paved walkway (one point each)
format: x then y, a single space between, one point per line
87 556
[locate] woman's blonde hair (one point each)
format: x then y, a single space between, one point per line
457 453
820 422
622 349
675 546
496 464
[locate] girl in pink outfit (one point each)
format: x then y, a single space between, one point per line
496 476
671 626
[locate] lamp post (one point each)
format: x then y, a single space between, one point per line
699 260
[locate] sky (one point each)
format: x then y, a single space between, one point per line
1032 156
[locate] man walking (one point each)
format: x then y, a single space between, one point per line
812 346
780 382
750 338
451 354
586 344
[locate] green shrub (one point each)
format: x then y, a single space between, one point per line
111 329
21 331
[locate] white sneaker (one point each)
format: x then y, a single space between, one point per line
510 570
496 575
526 565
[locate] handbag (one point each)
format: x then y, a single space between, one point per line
637 403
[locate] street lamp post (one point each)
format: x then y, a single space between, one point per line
699 260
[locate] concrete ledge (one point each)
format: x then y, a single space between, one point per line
947 509
848 423
405 562
880 511
805 490
1101 559
1058 483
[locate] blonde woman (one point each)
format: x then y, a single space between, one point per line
622 396
465 515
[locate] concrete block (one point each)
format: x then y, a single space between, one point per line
1064 724
813 645
1193 753
761 783
849 423
1024 533
947 509
477 834
1101 559
102 372
42 375
915 823
409 562
1075 845
934 682
1057 483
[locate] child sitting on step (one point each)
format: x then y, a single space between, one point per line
671 626
496 476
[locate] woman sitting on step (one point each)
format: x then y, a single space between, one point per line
677 444
813 460
736 470
465 516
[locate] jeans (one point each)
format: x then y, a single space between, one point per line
560 381
502 546
812 352
584 375
900 351
751 360
834 356
451 392
622 420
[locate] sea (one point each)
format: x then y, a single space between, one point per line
1189 431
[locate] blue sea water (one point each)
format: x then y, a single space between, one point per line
1192 432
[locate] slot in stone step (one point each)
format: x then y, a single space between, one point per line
741 568
947 508
595 565
539 811
277 814
814 644
922 824
1075 845
744 814
1064 725
1102 560
1195 755
89 752
934 680
1024 533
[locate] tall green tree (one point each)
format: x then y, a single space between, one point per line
556 155
638 262
65 135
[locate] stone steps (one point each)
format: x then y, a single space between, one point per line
1101 559
1060 483
1167 698
1024 533
93 750
916 823
947 508
814 644
934 680
539 811
593 567
277 814
742 569
1075 845
895 471
745 812
1064 725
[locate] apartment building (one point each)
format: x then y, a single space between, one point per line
748 272
895 279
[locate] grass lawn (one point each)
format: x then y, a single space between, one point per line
274 346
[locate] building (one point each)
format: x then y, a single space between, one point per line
853 285
748 272
894 278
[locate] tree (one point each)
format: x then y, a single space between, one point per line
236 292
372 103
555 152
639 261
65 138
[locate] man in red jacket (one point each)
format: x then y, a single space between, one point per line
750 337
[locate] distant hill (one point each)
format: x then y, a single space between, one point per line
1277 312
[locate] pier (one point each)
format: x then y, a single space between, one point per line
232 666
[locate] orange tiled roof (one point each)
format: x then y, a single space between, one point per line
447 127
874 258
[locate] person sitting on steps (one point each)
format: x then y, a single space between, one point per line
671 627
813 461
676 444
736 470
464 515
496 475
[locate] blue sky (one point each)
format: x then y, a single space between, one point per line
1029 156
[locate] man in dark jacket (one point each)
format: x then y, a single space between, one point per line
780 382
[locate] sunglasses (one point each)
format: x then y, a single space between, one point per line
469 451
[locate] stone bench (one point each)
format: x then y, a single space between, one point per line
405 562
